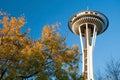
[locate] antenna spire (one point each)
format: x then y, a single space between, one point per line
87 8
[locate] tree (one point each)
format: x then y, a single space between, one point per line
24 58
112 71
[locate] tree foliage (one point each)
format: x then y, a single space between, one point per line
46 58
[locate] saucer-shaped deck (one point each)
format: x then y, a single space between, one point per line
91 18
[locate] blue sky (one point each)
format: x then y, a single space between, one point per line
41 12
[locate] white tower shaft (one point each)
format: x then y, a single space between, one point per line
87 50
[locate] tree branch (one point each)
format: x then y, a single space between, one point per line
2 74
25 77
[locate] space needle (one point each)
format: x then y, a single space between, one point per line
87 25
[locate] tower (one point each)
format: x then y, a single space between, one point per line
87 25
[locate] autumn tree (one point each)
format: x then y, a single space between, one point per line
46 58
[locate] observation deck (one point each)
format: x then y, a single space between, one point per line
92 18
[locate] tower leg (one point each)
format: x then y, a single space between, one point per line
87 51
